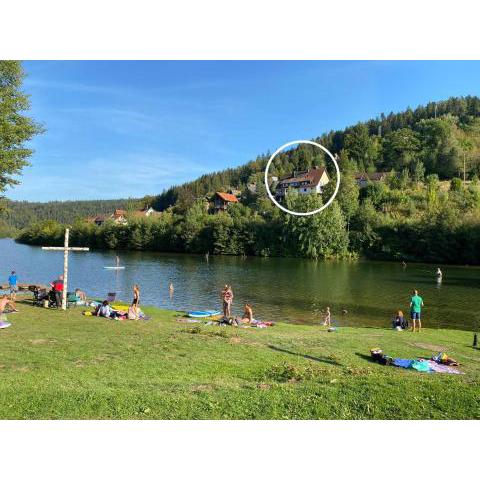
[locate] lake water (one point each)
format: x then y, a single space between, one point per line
282 289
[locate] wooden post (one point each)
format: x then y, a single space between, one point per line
66 249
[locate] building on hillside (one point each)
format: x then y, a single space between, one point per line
305 182
146 212
222 200
363 179
119 216
99 220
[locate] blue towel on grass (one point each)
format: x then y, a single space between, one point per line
402 362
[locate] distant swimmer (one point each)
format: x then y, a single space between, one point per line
439 273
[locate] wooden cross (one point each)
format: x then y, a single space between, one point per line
66 249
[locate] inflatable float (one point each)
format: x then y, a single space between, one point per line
204 313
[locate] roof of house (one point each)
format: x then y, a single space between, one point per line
312 177
371 176
146 212
119 213
227 197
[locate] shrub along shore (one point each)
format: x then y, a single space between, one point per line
56 364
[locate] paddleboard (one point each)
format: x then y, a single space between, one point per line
204 313
4 324
115 268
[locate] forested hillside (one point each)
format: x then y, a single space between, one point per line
427 208
435 138
22 214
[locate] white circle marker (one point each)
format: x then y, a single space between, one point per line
330 200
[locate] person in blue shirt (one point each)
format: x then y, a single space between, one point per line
12 282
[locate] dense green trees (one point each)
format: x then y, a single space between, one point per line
424 210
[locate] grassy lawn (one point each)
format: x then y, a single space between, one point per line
57 365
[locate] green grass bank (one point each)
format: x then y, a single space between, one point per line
63 365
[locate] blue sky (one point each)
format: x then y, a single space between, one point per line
131 128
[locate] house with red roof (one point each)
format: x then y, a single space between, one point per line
222 200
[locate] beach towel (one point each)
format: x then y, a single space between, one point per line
402 362
439 368
421 366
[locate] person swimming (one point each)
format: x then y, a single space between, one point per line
439 273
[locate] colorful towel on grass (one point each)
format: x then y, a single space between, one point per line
439 368
422 365
419 365
402 362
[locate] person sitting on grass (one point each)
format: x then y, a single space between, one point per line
4 301
400 322
105 310
248 314
82 296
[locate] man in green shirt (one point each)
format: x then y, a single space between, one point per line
416 304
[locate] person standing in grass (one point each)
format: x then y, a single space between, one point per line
227 297
12 283
136 296
57 288
416 304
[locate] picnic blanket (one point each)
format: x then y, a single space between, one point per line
440 368
422 365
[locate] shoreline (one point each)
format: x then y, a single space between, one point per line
352 259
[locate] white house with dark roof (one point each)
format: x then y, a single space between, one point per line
363 179
309 181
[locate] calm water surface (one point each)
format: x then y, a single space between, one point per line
282 289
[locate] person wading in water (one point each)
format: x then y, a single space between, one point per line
227 297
